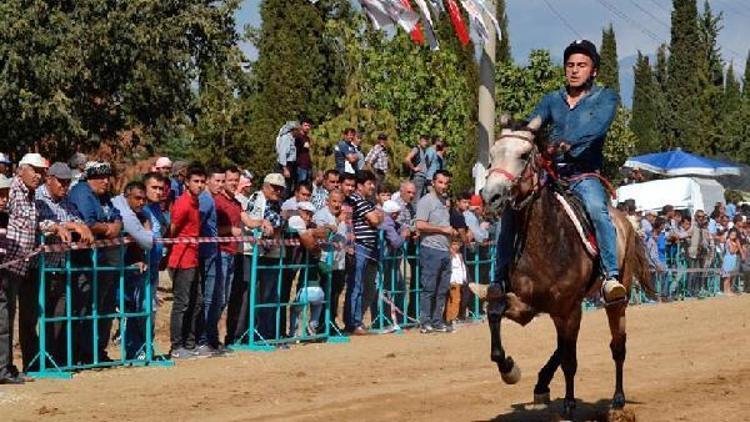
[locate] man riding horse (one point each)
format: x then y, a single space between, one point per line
580 114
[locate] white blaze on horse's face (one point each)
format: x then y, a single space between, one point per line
510 157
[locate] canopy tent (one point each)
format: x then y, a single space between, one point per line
691 193
681 163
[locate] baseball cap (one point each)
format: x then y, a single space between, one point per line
163 162
306 206
390 206
585 47
60 171
475 201
35 160
96 169
275 179
4 159
4 182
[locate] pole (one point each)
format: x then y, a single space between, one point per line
487 91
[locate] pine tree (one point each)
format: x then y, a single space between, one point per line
711 79
644 121
683 78
746 79
609 74
502 52
730 143
660 69
710 26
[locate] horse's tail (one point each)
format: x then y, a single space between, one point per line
636 257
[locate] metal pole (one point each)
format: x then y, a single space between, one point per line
487 91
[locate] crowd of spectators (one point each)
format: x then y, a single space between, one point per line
350 204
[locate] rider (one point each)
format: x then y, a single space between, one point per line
580 114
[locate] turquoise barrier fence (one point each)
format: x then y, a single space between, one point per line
276 317
91 286
480 259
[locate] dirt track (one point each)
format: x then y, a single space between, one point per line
686 362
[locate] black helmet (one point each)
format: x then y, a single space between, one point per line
584 47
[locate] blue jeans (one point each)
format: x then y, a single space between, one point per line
135 301
303 175
435 278
213 298
595 200
363 273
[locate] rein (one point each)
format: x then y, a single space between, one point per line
528 172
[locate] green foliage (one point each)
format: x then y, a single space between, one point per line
683 78
518 89
609 73
620 143
79 74
502 52
645 117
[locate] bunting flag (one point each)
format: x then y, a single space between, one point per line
385 13
475 20
484 8
416 34
428 25
458 22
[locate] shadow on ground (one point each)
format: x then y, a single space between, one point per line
599 412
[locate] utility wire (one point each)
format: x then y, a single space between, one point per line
563 20
646 11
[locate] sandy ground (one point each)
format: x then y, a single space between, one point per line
686 361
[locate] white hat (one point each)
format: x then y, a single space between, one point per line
163 162
4 158
297 224
306 206
391 207
35 160
275 179
289 206
4 182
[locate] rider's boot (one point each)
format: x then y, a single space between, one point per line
613 290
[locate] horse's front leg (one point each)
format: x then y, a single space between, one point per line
509 371
567 338
616 316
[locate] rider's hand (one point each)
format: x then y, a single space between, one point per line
564 147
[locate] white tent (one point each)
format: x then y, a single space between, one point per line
691 193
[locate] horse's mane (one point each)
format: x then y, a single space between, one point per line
541 136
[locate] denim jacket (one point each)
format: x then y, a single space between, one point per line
584 126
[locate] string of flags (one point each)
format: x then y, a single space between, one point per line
418 22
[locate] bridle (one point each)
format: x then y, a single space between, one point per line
529 171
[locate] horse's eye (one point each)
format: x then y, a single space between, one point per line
525 155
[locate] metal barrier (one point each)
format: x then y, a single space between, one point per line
480 259
94 283
269 286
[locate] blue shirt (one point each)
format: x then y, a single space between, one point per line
584 126
159 227
343 148
433 161
176 189
92 208
209 227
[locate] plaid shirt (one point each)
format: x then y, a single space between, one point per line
378 158
319 198
22 226
61 211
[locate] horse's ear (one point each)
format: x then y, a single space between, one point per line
535 124
504 119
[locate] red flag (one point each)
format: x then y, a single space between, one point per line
458 23
416 34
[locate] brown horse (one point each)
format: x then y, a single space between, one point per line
552 272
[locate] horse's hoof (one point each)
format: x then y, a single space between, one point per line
569 405
618 401
541 400
512 376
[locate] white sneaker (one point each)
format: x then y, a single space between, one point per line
613 290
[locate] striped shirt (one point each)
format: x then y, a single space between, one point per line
364 234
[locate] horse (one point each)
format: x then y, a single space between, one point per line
541 282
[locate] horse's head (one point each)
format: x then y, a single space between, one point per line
513 174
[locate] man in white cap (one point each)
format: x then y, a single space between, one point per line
395 235
5 164
20 241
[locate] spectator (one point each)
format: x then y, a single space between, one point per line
405 201
393 282
361 280
4 197
730 209
131 205
154 183
377 159
211 271
5 164
479 230
317 182
331 216
302 144
177 181
433 223
348 185
183 267
730 264
701 249
435 157
51 204
77 163
163 166
647 223
330 184
457 282
302 193
286 152
383 194
357 143
345 153
415 161
457 219
18 278
244 189
94 204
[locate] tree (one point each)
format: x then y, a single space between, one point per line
609 74
502 53
86 74
730 127
746 79
683 78
619 145
644 121
519 89
711 80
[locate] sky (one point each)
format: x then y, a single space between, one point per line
639 25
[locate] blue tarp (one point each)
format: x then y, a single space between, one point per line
681 163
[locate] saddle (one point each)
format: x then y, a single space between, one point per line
577 214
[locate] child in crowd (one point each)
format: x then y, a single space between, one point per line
730 264
458 279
